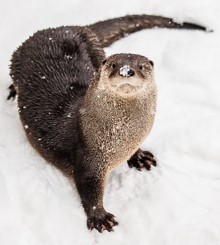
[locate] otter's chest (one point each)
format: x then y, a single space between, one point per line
114 130
118 138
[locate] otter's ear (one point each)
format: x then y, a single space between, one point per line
104 61
151 62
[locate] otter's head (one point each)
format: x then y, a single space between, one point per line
126 75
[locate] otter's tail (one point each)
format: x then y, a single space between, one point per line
109 31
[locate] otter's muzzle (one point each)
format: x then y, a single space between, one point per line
126 71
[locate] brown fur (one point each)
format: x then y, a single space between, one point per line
119 122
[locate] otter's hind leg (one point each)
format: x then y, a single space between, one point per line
12 92
91 188
142 159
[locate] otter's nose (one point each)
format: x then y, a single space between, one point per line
126 71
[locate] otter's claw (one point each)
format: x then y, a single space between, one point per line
101 222
142 159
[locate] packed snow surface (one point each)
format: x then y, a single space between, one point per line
176 203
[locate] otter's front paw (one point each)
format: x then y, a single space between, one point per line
142 159
101 220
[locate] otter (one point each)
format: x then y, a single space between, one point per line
83 112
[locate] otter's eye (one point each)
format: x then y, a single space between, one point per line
140 67
113 66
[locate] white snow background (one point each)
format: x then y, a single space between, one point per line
177 202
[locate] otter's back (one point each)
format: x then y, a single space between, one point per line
51 72
53 68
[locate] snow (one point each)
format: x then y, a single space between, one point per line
124 71
175 203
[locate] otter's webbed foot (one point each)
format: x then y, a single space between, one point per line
12 92
101 220
142 159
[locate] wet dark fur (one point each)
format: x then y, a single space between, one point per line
51 72
50 85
